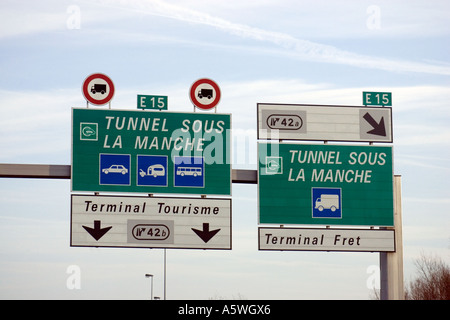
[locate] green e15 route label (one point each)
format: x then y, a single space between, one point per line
377 98
151 152
325 184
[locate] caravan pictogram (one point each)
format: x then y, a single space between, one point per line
151 170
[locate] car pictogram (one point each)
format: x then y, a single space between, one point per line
116 168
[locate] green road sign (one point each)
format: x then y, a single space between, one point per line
377 98
162 152
325 184
152 102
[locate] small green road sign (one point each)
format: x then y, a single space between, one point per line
151 152
325 184
377 98
152 102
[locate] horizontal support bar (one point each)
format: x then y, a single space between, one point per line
244 176
55 171
41 171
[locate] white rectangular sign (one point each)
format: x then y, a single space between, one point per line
150 222
314 239
325 123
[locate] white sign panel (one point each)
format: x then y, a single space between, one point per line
312 239
150 222
329 123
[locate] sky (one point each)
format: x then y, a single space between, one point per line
258 51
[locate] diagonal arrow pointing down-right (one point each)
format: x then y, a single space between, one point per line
205 234
378 127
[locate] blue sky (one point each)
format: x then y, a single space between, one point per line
318 52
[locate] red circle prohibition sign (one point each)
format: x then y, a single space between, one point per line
87 91
194 94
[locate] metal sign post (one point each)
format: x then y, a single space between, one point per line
391 263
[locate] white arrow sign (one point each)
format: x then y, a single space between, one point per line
150 222
329 123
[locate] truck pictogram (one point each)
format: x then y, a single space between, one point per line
98 88
327 201
207 93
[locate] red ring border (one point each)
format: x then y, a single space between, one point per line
211 105
108 98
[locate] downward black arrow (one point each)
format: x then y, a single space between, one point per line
378 128
205 234
97 232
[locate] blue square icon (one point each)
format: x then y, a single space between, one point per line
326 202
189 172
152 170
115 169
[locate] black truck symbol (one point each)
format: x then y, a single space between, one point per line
98 88
208 93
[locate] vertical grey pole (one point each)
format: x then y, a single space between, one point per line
147 275
391 263
384 285
395 259
164 273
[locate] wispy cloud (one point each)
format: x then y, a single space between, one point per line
35 124
424 163
46 18
297 48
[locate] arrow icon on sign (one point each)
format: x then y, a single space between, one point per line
97 232
205 234
378 127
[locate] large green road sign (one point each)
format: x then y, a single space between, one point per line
325 184
151 152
